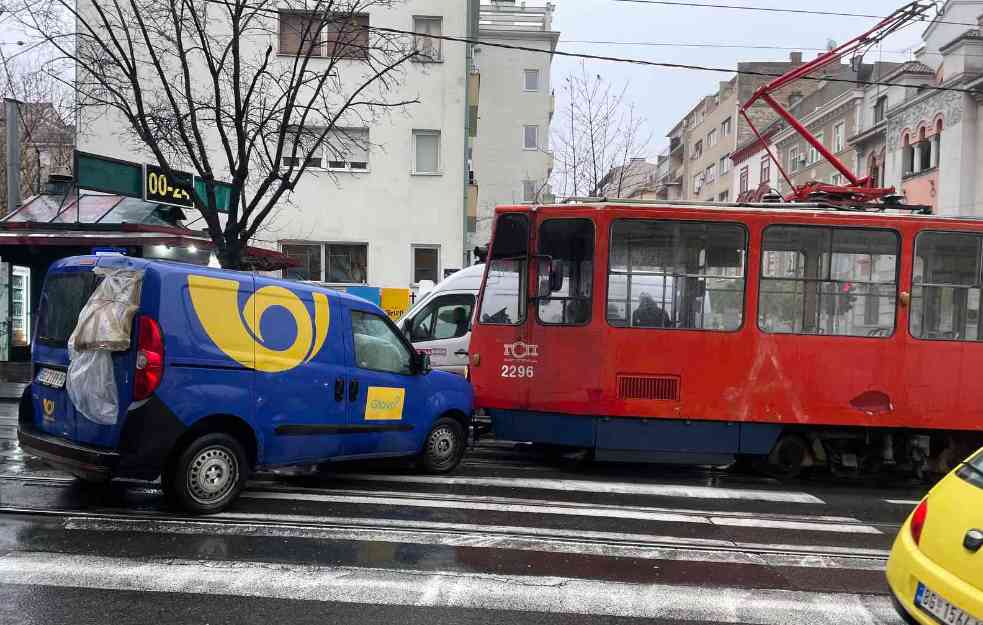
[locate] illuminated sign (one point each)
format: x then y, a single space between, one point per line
174 190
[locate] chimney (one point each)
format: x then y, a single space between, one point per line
59 184
795 58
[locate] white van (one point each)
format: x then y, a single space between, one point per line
439 323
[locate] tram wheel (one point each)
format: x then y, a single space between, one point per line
788 457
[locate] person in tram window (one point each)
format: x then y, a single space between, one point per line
649 314
577 311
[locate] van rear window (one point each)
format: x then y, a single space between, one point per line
65 294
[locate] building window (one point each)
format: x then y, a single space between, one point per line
531 80
839 137
426 149
818 280
937 144
426 38
672 274
907 156
530 188
765 172
880 108
793 159
698 183
836 179
725 127
874 171
698 149
744 179
712 138
569 244
724 165
710 175
724 196
335 263
946 287
308 257
426 263
530 137
319 34
813 152
347 149
299 149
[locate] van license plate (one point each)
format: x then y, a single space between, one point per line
941 609
52 378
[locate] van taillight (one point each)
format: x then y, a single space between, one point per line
150 358
918 521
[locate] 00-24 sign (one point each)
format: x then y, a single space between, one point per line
160 188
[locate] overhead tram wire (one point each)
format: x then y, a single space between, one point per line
736 7
627 60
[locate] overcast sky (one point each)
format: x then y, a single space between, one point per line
665 95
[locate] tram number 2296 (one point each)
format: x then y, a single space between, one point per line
518 371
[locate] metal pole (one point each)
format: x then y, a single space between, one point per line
13 153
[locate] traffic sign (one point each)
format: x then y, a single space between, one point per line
173 190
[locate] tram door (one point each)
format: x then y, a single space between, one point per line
566 377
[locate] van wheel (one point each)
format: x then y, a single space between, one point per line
444 447
207 475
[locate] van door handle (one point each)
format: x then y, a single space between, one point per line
973 540
461 352
353 390
339 389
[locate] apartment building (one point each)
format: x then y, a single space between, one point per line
386 202
700 144
511 156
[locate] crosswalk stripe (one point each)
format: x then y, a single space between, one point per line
861 562
440 589
591 486
569 510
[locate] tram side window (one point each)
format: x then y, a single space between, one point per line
569 245
504 299
945 297
837 281
674 274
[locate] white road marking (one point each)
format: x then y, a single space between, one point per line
904 502
592 486
442 589
569 510
861 562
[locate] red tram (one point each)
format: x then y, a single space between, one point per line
697 333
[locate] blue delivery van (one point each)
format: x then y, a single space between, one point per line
200 376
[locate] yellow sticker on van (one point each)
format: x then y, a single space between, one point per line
384 404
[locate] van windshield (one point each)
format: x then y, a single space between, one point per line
65 294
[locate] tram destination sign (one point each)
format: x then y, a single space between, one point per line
173 190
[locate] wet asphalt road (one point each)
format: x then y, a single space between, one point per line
511 537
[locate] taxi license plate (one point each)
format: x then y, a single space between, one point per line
52 378
934 604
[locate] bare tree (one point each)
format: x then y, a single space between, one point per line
43 113
600 140
248 92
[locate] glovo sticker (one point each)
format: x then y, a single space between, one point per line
238 335
384 404
48 405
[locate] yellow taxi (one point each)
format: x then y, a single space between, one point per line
936 566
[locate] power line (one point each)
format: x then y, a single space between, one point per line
707 5
619 59
744 46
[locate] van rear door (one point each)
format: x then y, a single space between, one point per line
65 293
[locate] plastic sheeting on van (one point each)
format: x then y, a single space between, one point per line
103 327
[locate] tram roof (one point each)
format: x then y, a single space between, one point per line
776 208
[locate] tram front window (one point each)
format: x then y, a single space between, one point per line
504 302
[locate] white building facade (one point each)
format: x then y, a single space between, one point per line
391 210
512 159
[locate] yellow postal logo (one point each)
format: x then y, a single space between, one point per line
216 302
384 404
49 406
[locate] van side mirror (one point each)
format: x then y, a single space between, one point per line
421 363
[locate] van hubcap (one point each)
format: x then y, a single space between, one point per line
442 444
212 474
